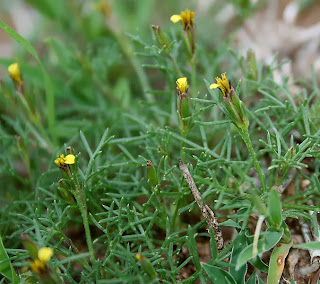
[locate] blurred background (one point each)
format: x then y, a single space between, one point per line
290 28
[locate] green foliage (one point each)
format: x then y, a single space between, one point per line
105 84
6 268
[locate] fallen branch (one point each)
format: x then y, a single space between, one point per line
207 213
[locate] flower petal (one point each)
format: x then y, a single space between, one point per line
69 159
182 84
14 72
44 254
214 86
175 18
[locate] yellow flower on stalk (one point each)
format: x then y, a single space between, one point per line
186 18
62 160
182 85
39 265
14 73
103 7
222 84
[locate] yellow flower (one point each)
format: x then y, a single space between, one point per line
185 17
182 85
14 73
62 160
139 256
222 84
103 7
39 265
44 254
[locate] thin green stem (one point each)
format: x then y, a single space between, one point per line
246 138
83 209
175 227
193 76
182 152
175 65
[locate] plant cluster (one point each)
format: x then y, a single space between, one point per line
124 161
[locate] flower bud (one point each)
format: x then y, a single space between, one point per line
65 192
146 266
29 245
152 175
183 112
186 19
233 105
70 150
161 38
14 73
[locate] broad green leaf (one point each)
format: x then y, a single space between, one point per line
275 208
218 275
266 242
258 263
239 244
6 268
277 262
259 280
311 245
252 279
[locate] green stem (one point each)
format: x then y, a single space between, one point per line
83 209
174 217
246 138
175 65
193 76
182 152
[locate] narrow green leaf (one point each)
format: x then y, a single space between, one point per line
230 223
6 268
192 245
18 38
213 244
311 245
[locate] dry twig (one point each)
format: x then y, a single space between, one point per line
207 213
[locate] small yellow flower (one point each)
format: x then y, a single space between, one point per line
222 84
14 73
45 254
39 265
139 256
182 85
62 160
103 7
185 17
